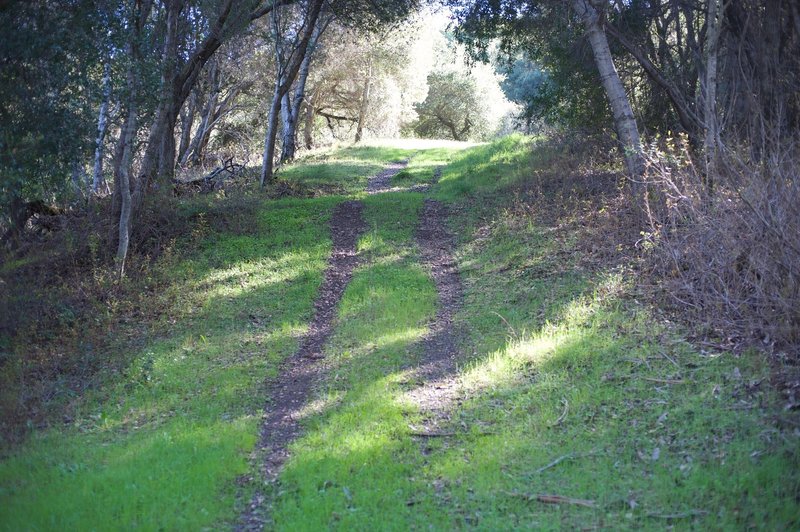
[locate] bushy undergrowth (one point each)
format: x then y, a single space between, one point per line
65 317
727 253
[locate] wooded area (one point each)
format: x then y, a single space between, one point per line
119 96
134 131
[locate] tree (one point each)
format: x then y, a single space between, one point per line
295 39
525 84
625 122
46 109
289 56
102 126
452 109
139 14
292 101
541 27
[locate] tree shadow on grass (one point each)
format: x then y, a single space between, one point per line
153 446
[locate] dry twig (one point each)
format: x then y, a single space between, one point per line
680 515
554 499
563 415
664 381
564 457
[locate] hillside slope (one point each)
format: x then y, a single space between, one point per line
567 401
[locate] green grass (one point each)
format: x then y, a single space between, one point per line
161 446
342 171
488 169
422 166
561 362
567 364
564 364
353 465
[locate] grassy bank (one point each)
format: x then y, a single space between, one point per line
572 385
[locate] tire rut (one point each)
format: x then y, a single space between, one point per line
382 182
290 392
437 368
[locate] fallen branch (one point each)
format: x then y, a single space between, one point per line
554 499
228 167
563 415
665 355
433 434
555 462
559 499
665 381
510 328
680 515
562 458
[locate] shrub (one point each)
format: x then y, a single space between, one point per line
729 256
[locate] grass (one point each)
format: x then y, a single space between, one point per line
571 385
422 167
565 367
161 446
343 171
352 466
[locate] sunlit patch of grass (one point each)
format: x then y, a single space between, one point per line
577 390
488 167
622 426
160 446
422 166
342 171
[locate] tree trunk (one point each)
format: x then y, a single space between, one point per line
187 119
166 160
286 75
290 111
308 128
125 189
102 126
170 106
141 11
119 151
615 92
126 138
362 111
195 153
269 139
159 157
710 144
150 163
289 128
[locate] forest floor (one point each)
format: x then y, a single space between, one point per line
436 348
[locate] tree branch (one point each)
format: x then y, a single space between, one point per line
687 118
322 113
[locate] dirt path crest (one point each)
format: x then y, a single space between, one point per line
382 182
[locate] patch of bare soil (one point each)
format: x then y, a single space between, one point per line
291 391
382 182
437 370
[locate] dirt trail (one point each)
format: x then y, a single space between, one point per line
437 370
291 391
382 182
